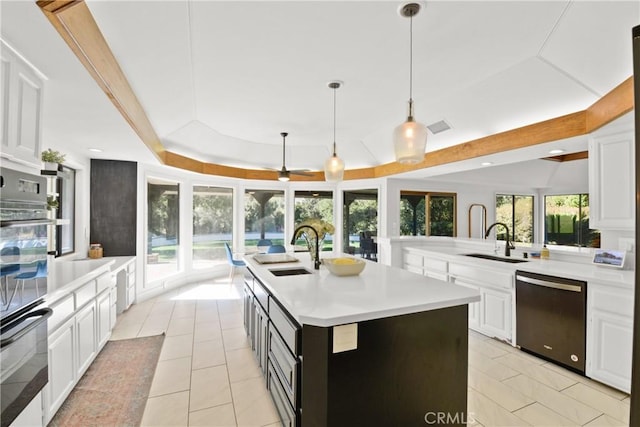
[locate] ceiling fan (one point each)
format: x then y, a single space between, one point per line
284 174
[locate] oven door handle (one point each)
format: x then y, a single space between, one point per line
43 313
548 284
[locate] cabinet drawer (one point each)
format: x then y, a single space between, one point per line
62 310
131 268
85 293
261 294
287 329
433 264
413 259
497 279
286 412
606 298
114 295
286 366
103 282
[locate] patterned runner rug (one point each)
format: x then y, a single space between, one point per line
114 390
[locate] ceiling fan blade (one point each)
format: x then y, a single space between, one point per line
301 172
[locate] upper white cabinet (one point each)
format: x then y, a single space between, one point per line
611 181
21 108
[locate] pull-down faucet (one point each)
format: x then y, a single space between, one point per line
508 246
316 263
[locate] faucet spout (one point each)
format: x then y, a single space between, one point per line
508 246
316 263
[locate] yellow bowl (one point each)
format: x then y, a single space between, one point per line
344 266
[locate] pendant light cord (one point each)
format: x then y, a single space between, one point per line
334 121
411 59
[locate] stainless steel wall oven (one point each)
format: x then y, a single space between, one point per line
24 232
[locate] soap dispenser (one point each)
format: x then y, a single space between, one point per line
544 252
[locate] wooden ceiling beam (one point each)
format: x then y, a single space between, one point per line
75 24
580 155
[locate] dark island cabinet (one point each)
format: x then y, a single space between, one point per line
405 370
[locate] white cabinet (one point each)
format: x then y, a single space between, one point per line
493 315
21 104
62 374
104 318
611 182
126 284
610 335
86 337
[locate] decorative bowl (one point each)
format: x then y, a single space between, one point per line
344 266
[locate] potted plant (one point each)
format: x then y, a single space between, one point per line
52 159
52 203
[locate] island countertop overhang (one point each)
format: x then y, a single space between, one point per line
322 299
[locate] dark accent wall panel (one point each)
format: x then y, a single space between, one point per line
113 206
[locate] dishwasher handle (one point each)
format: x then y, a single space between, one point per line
548 284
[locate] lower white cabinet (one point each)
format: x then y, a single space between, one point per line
62 373
75 342
86 333
423 263
104 318
494 314
610 335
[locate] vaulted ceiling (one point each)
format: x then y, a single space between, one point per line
220 80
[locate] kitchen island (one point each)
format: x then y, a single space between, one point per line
386 347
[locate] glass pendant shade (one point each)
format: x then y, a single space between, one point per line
410 142
333 169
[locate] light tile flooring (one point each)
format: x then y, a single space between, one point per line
207 376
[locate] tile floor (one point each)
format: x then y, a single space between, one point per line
207 376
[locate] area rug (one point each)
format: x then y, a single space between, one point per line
115 388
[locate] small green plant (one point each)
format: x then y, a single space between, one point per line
52 202
52 156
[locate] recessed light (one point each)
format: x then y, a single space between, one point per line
95 150
556 151
486 164
315 194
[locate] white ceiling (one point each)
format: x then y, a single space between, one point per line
220 80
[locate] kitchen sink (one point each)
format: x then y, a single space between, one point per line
289 271
497 258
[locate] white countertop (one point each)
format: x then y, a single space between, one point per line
573 270
322 299
66 276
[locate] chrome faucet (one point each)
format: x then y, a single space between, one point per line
508 246
316 264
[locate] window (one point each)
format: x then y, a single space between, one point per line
163 225
263 217
66 189
516 211
360 222
313 204
566 221
212 225
438 220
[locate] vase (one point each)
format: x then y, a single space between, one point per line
50 166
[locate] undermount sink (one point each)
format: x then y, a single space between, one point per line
289 271
496 258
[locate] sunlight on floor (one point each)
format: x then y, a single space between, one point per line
209 292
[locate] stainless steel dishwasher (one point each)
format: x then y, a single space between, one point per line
551 318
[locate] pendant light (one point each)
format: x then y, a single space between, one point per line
334 165
410 138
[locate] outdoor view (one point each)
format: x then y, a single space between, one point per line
263 218
309 205
516 211
439 220
163 210
360 224
567 221
212 225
